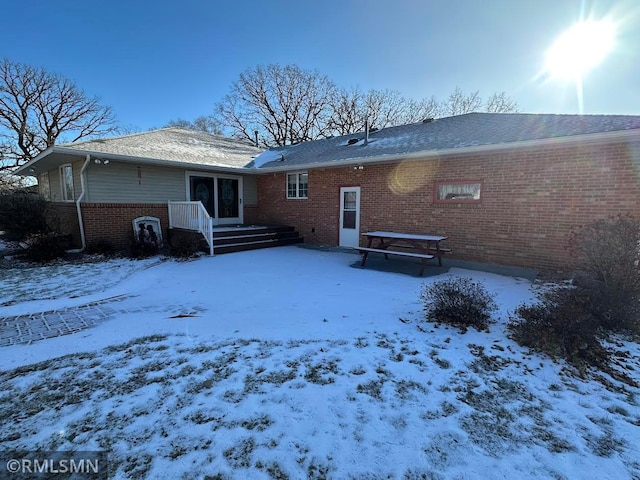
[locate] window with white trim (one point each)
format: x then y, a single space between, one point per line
458 192
297 185
66 182
44 186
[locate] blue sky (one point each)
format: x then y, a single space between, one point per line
161 60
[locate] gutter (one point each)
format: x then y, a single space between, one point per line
78 209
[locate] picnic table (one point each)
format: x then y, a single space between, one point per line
424 247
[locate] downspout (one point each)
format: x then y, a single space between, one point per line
79 210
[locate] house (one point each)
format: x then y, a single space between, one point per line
98 187
505 188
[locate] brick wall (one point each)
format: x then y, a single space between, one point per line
250 214
63 216
113 221
531 200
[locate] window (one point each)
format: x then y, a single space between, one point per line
44 185
66 182
297 185
456 192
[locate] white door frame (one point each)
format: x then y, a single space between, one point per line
215 176
350 236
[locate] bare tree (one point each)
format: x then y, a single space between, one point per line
285 104
204 123
419 110
459 103
289 105
37 107
501 103
383 108
348 112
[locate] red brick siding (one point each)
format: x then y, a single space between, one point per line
113 221
531 200
250 214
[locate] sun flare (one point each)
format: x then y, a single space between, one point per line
580 49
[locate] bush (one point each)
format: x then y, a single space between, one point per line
608 252
460 302
561 325
101 247
47 247
184 246
22 213
142 249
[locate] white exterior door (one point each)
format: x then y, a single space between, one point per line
349 216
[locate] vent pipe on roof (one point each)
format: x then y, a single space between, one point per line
255 132
366 131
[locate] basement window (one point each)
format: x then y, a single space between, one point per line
297 185
458 192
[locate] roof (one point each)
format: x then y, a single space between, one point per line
170 146
460 134
176 145
451 133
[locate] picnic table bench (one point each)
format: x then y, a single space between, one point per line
424 247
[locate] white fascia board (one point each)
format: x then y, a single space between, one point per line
131 159
586 139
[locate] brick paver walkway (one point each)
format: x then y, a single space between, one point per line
28 328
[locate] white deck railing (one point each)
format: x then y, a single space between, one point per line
192 216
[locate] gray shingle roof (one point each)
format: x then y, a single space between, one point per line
176 145
458 132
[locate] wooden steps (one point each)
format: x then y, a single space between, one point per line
240 238
237 239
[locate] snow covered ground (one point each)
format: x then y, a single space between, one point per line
289 363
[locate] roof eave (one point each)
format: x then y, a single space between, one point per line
591 138
24 170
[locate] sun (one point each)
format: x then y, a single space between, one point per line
580 49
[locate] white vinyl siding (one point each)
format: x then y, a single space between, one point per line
130 183
118 182
54 185
44 186
250 190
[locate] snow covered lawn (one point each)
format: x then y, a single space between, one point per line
64 280
287 363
